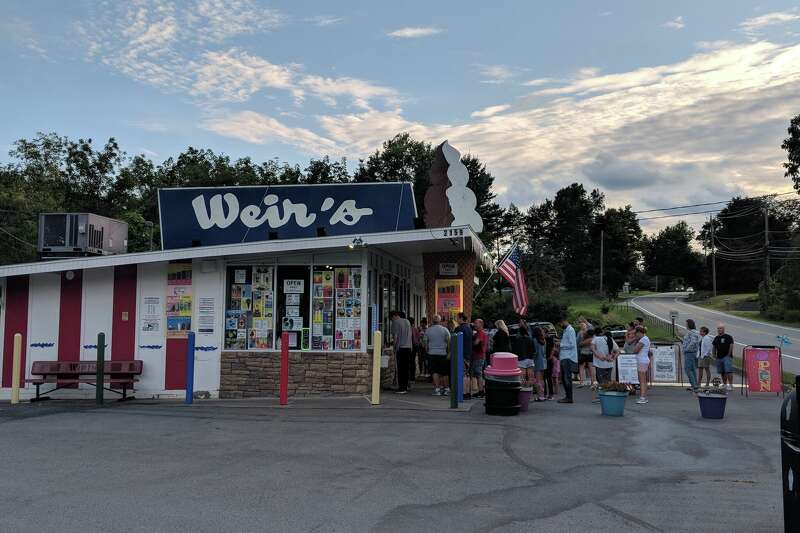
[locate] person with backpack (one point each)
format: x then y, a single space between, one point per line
604 351
522 347
690 348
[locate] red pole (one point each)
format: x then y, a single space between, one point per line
284 368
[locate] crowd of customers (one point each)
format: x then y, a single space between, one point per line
547 362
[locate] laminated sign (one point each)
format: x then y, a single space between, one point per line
763 368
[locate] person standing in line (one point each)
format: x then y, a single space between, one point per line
642 350
401 338
706 353
603 354
480 345
585 370
501 342
437 346
522 347
630 338
723 351
465 329
412 363
568 352
690 348
553 373
539 360
422 356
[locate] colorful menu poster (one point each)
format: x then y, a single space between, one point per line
179 300
322 310
348 308
249 319
449 297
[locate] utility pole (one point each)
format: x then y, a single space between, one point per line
602 237
767 273
713 257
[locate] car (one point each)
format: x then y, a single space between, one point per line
618 332
548 327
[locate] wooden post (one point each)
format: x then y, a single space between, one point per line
376 368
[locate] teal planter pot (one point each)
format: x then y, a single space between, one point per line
612 403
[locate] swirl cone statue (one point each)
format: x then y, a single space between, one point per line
448 201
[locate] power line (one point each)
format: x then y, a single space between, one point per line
17 238
714 203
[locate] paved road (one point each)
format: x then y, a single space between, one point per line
337 465
745 331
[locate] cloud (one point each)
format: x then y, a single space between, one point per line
716 117
540 81
754 26
713 45
324 20
496 74
414 32
149 124
490 111
153 42
256 128
235 75
676 23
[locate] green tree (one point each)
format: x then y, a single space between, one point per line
792 146
574 214
622 238
670 256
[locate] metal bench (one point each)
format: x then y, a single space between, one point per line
63 374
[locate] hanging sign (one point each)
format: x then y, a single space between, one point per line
293 286
207 216
665 367
448 269
763 368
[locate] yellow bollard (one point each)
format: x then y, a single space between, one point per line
376 368
15 368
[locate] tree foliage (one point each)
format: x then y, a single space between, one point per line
792 146
670 256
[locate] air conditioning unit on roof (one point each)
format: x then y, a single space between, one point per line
80 234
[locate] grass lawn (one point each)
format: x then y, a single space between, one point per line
732 303
591 307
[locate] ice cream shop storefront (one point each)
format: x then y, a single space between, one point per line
240 266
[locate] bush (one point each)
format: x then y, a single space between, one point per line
792 315
605 309
546 309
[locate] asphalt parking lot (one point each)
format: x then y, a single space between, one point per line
339 465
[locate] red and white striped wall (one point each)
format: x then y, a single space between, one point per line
60 314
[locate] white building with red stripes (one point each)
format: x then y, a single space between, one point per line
329 291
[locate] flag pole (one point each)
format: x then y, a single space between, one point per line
494 271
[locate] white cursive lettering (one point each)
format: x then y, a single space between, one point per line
216 215
349 214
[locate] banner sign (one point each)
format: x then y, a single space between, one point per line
231 215
763 368
665 366
179 300
628 368
449 297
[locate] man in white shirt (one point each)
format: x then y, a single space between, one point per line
706 354
642 350
568 352
604 350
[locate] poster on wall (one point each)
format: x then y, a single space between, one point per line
763 368
322 298
665 366
449 297
628 368
152 313
206 315
179 300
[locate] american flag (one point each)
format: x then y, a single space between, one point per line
511 270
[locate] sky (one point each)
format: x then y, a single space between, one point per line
656 103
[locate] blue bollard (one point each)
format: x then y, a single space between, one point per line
190 369
460 385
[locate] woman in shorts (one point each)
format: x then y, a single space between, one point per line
539 360
642 350
522 347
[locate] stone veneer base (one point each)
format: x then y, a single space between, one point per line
257 374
